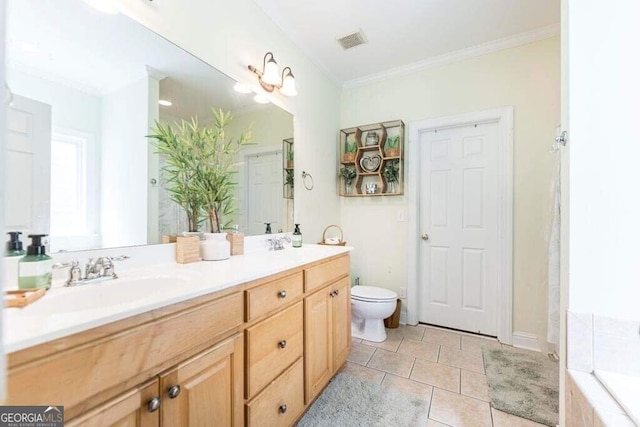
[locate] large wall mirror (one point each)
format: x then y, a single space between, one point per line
86 90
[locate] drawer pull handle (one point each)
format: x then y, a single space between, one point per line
282 344
173 391
153 405
282 294
282 409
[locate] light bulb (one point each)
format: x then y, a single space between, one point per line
261 98
239 87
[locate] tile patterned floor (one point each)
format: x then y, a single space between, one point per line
438 365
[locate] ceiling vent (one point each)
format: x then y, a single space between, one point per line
352 40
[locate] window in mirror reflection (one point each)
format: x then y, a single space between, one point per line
70 184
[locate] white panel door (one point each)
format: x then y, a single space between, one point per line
459 227
28 172
264 192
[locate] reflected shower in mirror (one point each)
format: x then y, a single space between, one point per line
87 90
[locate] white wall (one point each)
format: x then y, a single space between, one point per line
527 77
124 129
604 105
231 35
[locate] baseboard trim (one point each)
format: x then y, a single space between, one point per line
526 340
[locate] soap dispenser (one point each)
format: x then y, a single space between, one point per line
296 238
34 269
14 245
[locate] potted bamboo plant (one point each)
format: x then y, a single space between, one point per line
199 167
177 144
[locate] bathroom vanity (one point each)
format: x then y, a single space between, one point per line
253 343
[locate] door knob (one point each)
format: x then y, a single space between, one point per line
424 236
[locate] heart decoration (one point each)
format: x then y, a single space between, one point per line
370 163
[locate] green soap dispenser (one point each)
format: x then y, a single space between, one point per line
14 245
296 238
34 269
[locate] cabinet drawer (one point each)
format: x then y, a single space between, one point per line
269 297
273 345
323 274
281 403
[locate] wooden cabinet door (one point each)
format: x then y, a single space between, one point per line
340 322
206 390
317 342
132 409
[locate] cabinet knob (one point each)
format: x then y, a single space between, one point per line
173 391
282 344
282 294
153 405
282 409
333 293
337 291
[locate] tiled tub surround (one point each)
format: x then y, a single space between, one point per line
598 343
41 322
443 367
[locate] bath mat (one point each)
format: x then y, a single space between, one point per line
350 401
523 383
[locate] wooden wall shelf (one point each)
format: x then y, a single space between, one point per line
366 150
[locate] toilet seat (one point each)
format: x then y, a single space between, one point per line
373 294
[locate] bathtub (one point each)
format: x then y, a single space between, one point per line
625 389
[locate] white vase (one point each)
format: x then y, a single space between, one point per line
215 247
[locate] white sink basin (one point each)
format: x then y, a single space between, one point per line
106 295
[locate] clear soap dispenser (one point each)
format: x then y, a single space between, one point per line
296 238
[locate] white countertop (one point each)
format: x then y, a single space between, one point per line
64 311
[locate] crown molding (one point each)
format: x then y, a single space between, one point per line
458 55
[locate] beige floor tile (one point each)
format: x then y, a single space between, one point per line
461 359
437 375
432 423
442 337
391 343
474 385
360 353
475 344
458 410
362 372
422 391
408 332
502 419
393 363
356 340
419 349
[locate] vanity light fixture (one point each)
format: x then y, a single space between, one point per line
165 102
270 77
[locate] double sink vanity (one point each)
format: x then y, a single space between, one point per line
248 341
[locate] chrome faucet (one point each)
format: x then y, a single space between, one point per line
94 271
277 243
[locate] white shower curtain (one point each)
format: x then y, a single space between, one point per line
553 323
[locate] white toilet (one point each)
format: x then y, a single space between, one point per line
369 307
